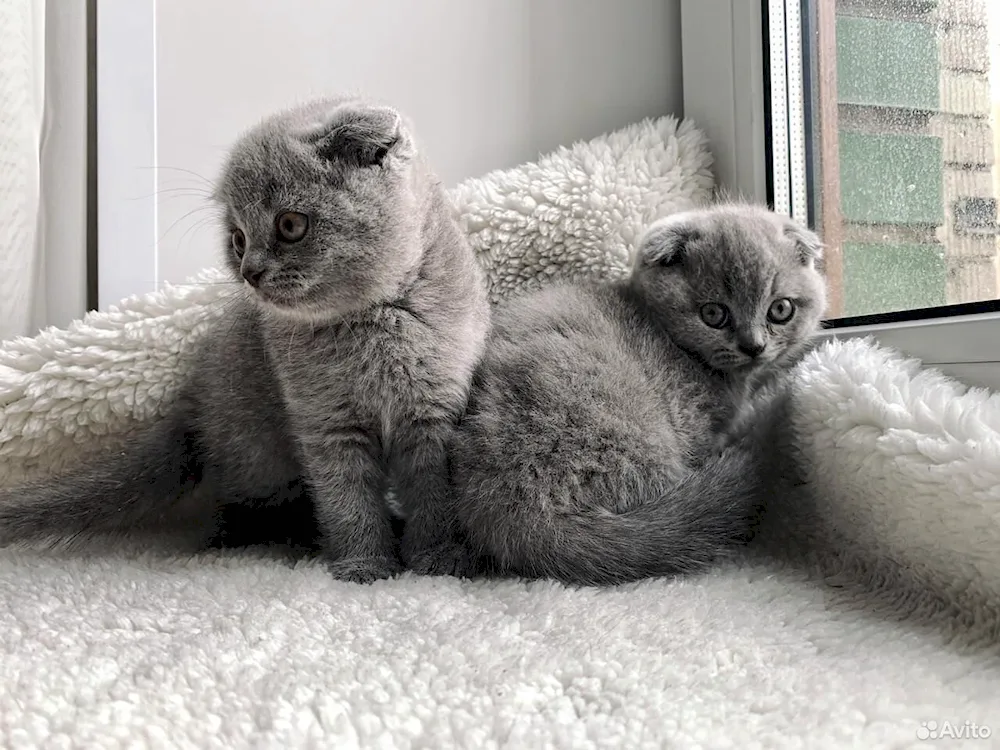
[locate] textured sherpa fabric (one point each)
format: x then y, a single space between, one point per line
241 652
900 472
577 211
877 628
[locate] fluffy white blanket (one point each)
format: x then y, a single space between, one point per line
866 615
233 652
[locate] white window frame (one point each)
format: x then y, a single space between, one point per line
126 112
63 163
724 93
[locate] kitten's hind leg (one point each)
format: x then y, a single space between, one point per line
346 483
431 543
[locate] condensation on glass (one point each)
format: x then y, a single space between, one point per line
907 127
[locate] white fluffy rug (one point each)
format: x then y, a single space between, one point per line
866 615
236 652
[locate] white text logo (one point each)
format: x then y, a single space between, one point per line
932 730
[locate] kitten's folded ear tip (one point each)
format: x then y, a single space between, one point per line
663 241
808 244
361 133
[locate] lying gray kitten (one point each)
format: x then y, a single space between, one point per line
596 448
343 364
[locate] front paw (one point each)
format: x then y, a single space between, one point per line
364 569
444 559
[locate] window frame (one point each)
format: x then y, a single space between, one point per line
726 93
125 100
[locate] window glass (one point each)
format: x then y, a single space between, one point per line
903 102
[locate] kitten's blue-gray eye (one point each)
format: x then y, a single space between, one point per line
781 311
239 242
714 315
292 226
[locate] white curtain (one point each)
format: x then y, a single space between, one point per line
22 96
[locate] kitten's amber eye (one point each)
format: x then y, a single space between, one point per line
714 315
292 226
239 242
781 311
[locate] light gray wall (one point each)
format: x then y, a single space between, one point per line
488 83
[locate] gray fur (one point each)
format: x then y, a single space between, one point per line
606 438
340 368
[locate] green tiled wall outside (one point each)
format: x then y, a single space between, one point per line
886 63
891 179
884 278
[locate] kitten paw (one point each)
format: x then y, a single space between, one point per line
445 559
364 570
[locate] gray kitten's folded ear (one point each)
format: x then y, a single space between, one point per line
807 243
362 136
664 241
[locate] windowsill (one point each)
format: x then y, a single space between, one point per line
964 346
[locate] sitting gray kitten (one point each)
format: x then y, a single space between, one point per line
596 448
342 365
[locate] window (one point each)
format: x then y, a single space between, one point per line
877 122
902 98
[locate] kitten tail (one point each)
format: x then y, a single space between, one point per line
697 522
113 494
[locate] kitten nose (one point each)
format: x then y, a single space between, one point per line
752 349
252 272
